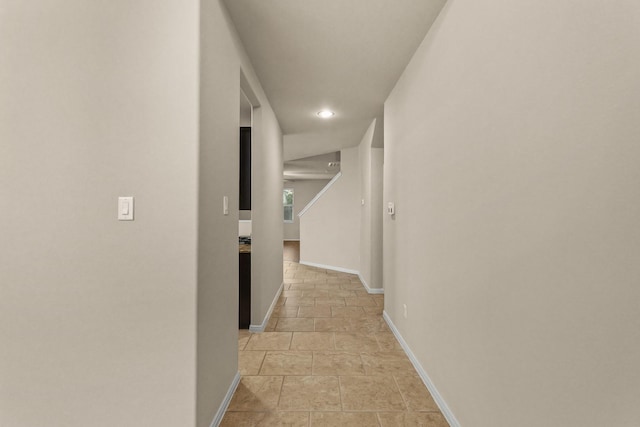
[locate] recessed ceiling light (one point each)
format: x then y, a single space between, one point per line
325 114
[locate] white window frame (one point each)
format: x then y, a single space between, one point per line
292 220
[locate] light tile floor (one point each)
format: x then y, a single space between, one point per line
327 358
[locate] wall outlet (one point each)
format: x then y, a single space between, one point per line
404 306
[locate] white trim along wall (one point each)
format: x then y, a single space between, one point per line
217 419
344 270
444 408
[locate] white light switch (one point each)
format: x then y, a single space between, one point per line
225 205
391 208
125 208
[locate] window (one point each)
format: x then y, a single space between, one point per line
287 202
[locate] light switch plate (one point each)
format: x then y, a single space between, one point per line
391 208
125 208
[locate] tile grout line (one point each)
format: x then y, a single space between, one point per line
280 394
378 341
262 363
378 419
395 381
340 392
363 365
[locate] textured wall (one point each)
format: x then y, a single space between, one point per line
330 229
223 59
511 152
97 316
303 193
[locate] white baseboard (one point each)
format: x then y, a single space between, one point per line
225 402
329 267
291 240
370 290
345 270
263 325
444 408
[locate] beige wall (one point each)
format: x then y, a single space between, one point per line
377 213
330 229
266 212
97 316
338 230
218 234
511 152
370 168
123 323
303 193
245 111
222 59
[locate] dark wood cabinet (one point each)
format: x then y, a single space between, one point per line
244 313
245 168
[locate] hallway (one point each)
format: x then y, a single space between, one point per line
291 251
327 359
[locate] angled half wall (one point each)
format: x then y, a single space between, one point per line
342 229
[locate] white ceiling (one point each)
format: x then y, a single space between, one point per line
342 55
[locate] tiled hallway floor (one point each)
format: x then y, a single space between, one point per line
327 359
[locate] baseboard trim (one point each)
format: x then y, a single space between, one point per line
263 325
375 291
444 408
345 270
329 267
225 402
291 240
